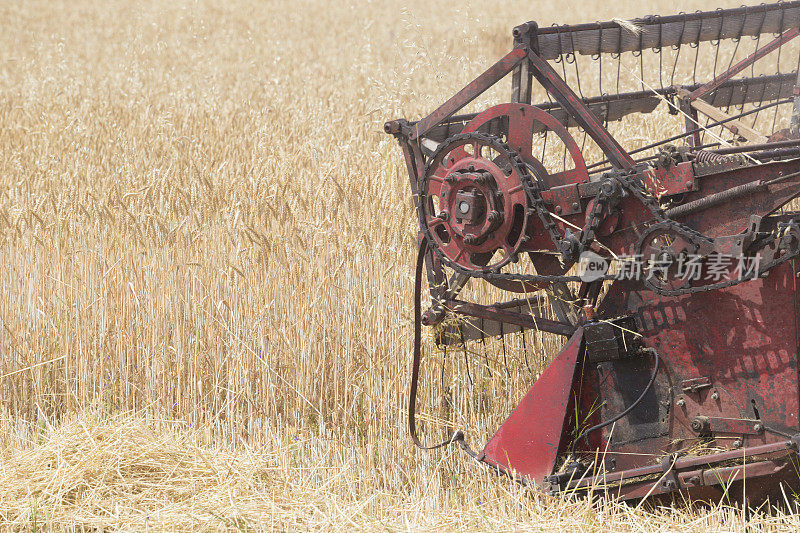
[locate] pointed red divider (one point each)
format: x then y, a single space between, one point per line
529 441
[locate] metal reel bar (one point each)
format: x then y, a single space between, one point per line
664 31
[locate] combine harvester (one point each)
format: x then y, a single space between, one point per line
680 367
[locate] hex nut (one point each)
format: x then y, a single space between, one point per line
700 424
669 484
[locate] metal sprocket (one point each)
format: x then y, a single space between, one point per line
473 204
666 248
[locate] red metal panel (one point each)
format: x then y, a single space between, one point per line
667 181
529 441
740 339
566 199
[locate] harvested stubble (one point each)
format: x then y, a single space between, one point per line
205 253
100 472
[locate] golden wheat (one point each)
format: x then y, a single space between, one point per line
205 259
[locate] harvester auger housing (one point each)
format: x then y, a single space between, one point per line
671 270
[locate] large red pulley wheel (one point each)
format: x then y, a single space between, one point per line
473 202
518 122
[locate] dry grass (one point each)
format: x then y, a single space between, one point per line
205 253
107 473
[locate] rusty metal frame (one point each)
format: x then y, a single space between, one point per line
687 472
526 46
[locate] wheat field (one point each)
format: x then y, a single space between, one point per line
206 264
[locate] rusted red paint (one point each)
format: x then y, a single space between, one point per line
529 441
566 199
676 179
522 120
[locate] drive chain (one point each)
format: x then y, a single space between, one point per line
533 189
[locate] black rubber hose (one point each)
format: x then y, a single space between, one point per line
630 408
457 436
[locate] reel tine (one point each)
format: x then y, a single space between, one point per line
778 63
466 357
658 51
485 352
525 351
696 46
677 48
503 341
598 56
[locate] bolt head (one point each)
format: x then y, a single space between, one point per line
607 186
758 427
575 206
469 239
680 402
715 396
737 443
444 215
463 207
700 424
494 216
558 209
